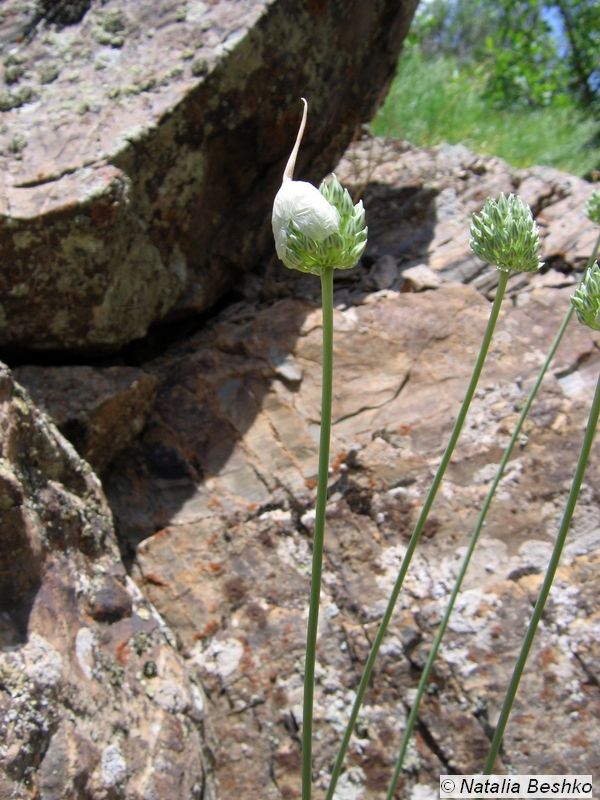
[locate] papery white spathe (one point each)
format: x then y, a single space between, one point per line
302 204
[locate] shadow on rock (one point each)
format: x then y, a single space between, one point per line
230 433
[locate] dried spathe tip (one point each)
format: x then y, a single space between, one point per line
586 298
288 172
504 234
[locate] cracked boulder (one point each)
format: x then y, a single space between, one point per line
94 699
142 144
100 411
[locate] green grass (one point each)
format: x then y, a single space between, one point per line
433 101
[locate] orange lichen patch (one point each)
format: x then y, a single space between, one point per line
209 629
547 657
548 693
214 566
339 460
247 664
288 758
581 740
404 430
122 652
154 580
310 483
484 609
280 697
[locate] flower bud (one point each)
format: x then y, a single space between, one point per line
300 209
504 234
592 207
586 298
316 228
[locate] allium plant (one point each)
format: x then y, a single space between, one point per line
592 207
505 235
586 301
317 231
512 253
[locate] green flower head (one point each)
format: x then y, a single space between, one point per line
592 207
504 234
315 229
586 298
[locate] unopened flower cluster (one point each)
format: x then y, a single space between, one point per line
586 298
504 234
341 248
592 207
316 229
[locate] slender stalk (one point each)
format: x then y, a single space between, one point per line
412 717
414 539
547 584
317 559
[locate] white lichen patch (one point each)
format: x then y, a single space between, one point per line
170 695
196 11
533 554
197 699
458 657
113 766
421 791
467 616
43 663
294 552
85 651
279 516
351 785
421 581
221 657
564 604
389 563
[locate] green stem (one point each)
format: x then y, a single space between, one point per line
412 717
592 258
317 559
414 539
547 584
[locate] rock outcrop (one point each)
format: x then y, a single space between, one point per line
142 145
225 476
213 504
94 699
